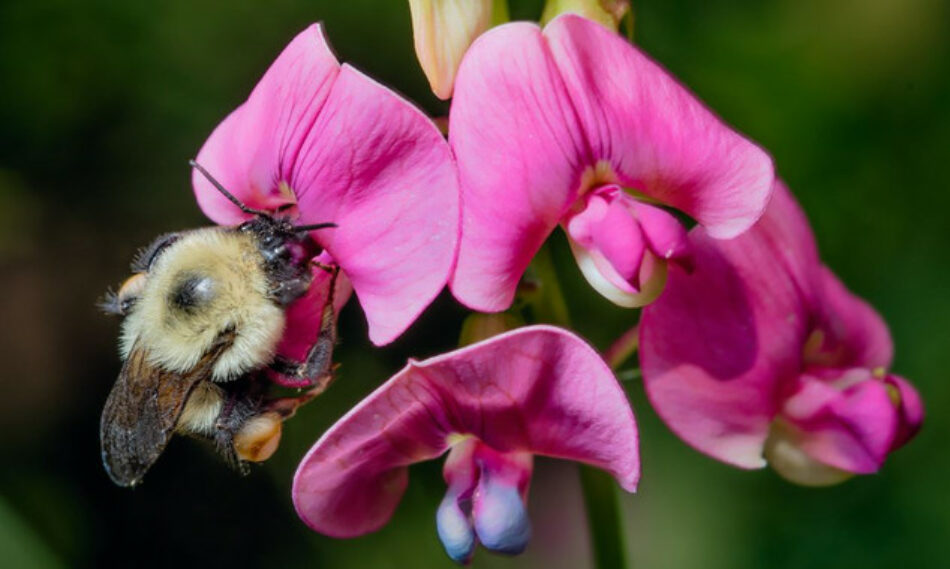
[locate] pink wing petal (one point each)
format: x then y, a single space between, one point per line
664 233
379 169
910 410
537 117
539 389
719 340
655 134
851 430
855 334
520 155
253 150
611 234
350 151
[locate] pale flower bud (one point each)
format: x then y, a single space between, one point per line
443 30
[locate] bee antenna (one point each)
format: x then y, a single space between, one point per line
314 226
217 185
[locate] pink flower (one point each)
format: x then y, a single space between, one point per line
761 355
572 126
492 406
346 150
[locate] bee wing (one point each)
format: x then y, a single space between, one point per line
142 410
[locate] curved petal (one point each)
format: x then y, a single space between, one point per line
665 235
538 117
910 410
350 151
520 155
253 150
607 229
378 168
854 333
655 134
850 430
538 389
716 345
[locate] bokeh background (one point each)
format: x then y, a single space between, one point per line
101 104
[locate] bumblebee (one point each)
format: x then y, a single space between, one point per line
203 313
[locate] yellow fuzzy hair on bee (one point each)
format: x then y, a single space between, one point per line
221 273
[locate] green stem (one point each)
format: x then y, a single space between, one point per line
548 303
600 494
603 518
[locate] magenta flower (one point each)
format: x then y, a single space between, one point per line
346 150
573 126
761 355
492 406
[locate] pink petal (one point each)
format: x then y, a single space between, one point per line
254 148
538 389
520 154
851 429
607 229
854 333
350 151
538 117
382 171
910 410
609 245
655 134
719 341
664 233
304 317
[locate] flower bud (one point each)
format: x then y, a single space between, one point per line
442 31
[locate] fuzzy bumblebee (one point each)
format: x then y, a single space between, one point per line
203 314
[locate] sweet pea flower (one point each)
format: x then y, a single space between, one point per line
761 356
573 126
442 32
346 150
491 406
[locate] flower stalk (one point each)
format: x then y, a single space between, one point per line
600 495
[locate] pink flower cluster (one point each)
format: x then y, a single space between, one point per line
751 350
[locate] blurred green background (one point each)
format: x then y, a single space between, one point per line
101 104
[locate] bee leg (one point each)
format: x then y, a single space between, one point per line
242 404
317 369
290 290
